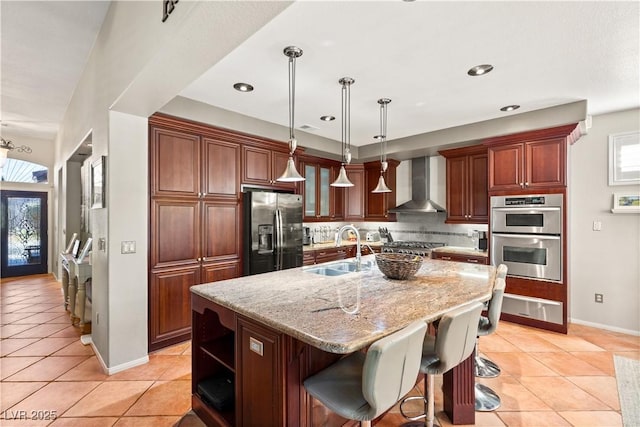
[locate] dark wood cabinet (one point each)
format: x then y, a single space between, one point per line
533 160
169 305
262 166
448 256
354 196
260 385
195 219
322 202
175 163
467 189
377 205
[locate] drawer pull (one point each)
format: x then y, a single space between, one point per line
446 258
472 260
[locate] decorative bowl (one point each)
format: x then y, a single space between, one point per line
398 266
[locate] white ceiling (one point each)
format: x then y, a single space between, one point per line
416 53
45 46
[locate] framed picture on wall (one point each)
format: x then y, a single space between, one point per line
626 203
98 183
624 158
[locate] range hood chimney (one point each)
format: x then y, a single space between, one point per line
420 202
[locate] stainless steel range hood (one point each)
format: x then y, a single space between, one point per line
420 202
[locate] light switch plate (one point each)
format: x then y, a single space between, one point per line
597 225
128 247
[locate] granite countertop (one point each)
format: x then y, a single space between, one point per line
331 244
306 306
459 250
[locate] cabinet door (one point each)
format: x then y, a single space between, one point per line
175 163
214 272
324 190
336 196
259 375
505 167
478 208
545 163
310 208
278 165
457 189
375 203
221 168
176 233
354 196
256 168
221 231
170 305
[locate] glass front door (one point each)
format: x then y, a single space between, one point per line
24 233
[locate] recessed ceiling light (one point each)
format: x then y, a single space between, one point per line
510 108
327 118
480 70
243 87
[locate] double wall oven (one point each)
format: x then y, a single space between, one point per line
527 236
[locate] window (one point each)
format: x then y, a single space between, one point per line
22 171
624 158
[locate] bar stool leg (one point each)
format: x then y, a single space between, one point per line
486 399
484 368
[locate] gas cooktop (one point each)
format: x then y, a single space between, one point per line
410 247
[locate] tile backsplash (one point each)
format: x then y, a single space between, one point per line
419 227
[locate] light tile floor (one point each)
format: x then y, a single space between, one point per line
547 378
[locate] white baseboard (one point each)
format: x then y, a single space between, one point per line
118 368
605 327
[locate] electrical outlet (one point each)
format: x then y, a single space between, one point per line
597 225
599 298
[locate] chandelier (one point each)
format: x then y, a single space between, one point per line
6 146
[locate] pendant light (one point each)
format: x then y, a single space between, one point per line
382 186
291 173
343 179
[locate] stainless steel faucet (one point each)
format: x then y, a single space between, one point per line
358 250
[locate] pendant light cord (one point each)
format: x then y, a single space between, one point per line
292 94
343 115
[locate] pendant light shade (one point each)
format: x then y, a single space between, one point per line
343 179
382 186
291 173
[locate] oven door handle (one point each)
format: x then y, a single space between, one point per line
527 209
527 236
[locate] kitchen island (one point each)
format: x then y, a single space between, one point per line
262 335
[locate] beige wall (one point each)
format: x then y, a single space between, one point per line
607 261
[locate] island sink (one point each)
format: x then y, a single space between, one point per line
336 268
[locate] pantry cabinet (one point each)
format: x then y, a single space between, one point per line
467 190
535 160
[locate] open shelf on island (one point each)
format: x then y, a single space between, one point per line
222 350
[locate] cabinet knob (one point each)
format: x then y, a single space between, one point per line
526 184
521 185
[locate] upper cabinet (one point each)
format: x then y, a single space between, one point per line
467 193
262 166
322 202
377 205
530 160
354 196
175 163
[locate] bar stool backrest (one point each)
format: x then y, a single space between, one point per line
456 336
489 324
392 366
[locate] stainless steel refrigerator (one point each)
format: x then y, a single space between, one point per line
272 231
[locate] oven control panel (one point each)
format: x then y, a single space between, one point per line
519 201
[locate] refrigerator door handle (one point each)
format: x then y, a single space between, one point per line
279 240
276 239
